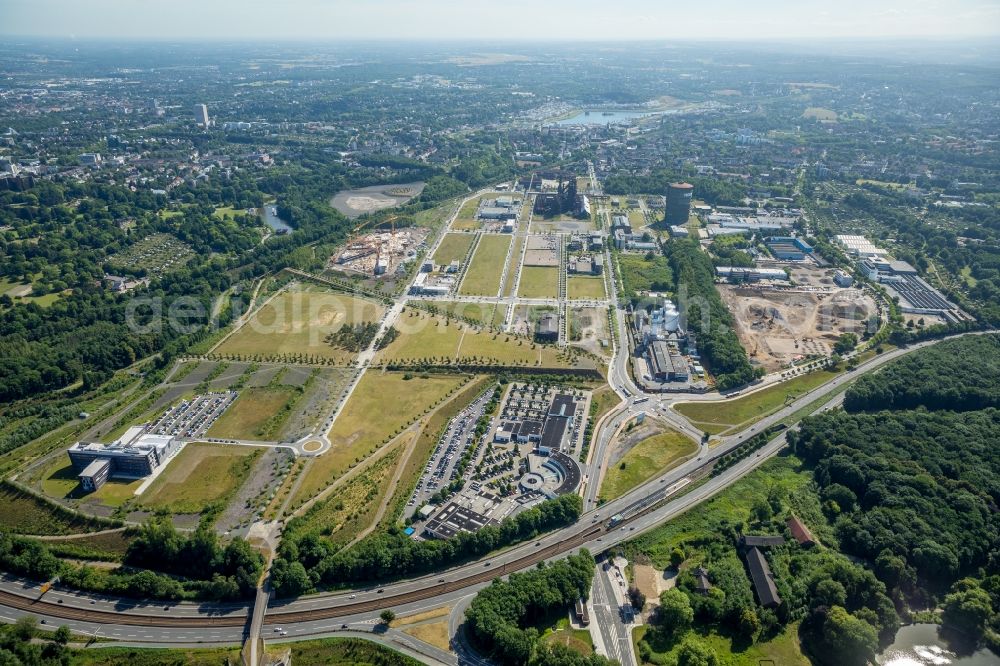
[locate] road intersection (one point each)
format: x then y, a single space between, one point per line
349 612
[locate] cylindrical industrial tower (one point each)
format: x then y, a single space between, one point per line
678 203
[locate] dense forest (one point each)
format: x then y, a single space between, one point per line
504 619
707 315
307 560
89 332
958 374
914 488
714 191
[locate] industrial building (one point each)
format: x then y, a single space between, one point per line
738 275
678 206
666 364
134 455
915 296
842 278
658 323
760 572
547 328
859 246
788 248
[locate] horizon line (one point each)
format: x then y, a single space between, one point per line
507 40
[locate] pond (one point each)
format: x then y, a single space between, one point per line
920 645
357 202
271 219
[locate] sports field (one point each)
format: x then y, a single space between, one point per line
486 269
539 282
585 287
297 321
650 457
257 414
200 476
453 247
382 405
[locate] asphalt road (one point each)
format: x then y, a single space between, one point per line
607 598
157 630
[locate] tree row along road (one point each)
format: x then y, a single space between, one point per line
584 531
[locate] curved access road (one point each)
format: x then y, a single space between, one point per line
321 614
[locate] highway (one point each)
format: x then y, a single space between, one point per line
351 611
317 615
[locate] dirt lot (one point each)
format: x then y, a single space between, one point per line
779 326
652 581
588 326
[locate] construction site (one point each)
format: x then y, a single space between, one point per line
782 326
380 253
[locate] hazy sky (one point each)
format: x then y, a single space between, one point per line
499 19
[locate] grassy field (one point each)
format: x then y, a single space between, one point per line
257 414
604 400
351 508
485 313
585 287
365 423
322 652
539 282
645 460
228 212
466 218
23 513
433 633
748 409
427 440
512 264
453 247
782 650
60 480
483 276
820 114
109 546
577 640
426 336
200 476
784 474
641 274
297 321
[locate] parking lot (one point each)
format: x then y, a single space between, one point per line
440 469
192 418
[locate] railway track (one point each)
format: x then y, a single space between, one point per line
41 607
558 548
38 606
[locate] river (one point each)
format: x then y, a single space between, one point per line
920 645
